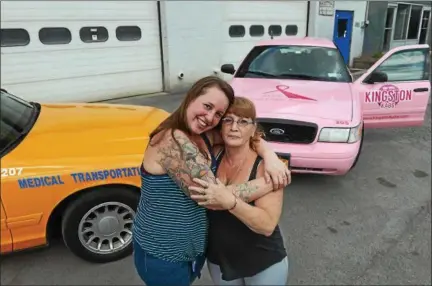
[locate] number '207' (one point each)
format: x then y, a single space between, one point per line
6 172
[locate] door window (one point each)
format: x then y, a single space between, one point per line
407 65
342 25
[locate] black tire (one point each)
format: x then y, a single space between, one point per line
360 149
84 203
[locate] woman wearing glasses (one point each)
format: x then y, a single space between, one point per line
245 245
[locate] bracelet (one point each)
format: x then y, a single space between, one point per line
235 203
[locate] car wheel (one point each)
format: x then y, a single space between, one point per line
360 149
97 226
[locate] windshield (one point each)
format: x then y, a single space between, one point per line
295 62
17 117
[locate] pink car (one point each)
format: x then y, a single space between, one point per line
313 110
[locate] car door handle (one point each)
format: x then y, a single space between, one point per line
421 89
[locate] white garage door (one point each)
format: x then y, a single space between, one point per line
80 51
246 23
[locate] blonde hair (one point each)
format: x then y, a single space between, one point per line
243 107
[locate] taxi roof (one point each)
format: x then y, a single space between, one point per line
298 41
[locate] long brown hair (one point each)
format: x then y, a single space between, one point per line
178 120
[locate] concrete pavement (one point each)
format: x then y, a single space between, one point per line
370 227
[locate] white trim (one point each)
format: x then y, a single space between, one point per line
164 47
408 3
420 25
408 23
393 27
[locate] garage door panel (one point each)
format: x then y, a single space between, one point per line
301 30
266 10
235 52
103 70
77 10
149 35
93 88
262 13
76 63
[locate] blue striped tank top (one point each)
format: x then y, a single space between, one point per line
168 224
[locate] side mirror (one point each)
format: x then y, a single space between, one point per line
376 77
228 68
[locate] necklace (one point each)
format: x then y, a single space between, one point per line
234 174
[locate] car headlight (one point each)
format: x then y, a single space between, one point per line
340 135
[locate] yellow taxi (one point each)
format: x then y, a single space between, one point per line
72 170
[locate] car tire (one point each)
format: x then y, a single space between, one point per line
101 216
360 149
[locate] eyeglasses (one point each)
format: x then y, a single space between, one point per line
240 122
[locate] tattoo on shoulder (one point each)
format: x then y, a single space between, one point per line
183 161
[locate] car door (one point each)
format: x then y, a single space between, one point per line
6 237
395 91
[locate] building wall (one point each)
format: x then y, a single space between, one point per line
374 32
322 26
192 40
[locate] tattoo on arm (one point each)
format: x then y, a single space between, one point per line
245 191
251 190
183 161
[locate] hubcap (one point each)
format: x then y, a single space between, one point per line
106 228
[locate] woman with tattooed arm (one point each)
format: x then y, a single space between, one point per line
245 245
170 228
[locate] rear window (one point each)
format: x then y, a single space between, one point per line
15 116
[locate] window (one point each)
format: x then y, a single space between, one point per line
408 18
16 117
55 36
294 62
424 27
388 28
93 34
14 37
291 30
414 22
256 30
128 33
275 30
401 21
342 25
236 31
406 66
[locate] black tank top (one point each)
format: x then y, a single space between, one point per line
236 249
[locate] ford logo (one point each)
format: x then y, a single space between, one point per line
277 131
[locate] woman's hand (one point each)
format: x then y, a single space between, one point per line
276 171
212 196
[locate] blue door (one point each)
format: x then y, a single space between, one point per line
342 32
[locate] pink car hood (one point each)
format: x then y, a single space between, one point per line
310 99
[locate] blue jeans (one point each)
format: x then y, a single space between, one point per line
277 274
158 272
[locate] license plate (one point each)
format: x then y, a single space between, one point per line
285 161
285 158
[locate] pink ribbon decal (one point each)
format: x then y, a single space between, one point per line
283 89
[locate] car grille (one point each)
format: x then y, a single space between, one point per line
288 131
